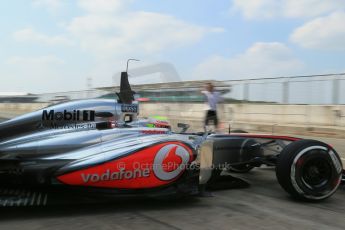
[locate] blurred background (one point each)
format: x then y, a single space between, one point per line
304 105
279 64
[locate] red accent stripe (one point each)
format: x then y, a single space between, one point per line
266 136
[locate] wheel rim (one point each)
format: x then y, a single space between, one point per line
316 173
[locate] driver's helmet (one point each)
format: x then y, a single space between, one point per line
158 122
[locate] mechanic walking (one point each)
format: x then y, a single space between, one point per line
212 98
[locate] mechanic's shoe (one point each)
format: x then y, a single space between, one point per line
203 192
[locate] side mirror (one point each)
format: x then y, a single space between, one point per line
128 118
184 127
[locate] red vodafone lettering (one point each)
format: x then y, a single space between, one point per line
151 167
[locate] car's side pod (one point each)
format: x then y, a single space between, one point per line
216 155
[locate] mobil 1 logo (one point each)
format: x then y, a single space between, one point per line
66 115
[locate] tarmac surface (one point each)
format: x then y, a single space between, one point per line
262 205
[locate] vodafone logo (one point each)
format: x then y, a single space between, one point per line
162 154
154 166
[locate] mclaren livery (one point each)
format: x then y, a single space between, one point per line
98 149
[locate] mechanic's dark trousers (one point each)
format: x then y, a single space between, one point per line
211 115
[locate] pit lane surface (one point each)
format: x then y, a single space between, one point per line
263 205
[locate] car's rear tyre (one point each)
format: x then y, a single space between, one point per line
309 170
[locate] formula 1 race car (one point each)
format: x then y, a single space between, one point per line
100 149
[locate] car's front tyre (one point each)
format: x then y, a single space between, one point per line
309 170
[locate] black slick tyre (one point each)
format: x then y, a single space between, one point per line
309 170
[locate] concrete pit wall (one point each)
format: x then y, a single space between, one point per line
315 120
